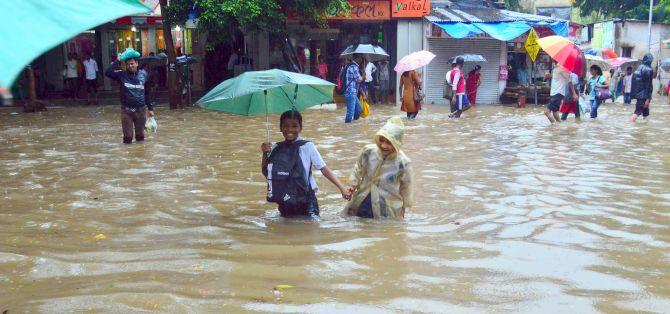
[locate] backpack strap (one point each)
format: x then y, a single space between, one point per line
296 158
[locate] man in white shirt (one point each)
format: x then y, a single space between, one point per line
627 84
91 75
370 69
560 80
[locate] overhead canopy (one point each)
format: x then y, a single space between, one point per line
32 27
503 25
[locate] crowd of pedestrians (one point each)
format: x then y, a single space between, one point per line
597 87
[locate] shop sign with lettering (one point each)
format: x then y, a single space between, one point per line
364 10
410 8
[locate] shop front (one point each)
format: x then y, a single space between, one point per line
395 25
498 36
445 47
145 34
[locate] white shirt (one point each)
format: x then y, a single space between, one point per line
627 83
310 156
71 68
369 69
559 81
91 68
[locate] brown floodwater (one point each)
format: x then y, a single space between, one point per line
511 215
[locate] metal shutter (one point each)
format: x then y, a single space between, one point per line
445 48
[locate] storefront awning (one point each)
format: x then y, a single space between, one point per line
504 31
500 24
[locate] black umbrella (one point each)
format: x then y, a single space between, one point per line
153 61
186 60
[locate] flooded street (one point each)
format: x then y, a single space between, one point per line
511 215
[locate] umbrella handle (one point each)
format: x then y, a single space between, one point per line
295 96
267 115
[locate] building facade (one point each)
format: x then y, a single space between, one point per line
470 27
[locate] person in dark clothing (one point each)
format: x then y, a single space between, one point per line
642 88
135 100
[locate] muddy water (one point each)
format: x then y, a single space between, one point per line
510 215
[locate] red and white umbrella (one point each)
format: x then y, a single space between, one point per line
414 61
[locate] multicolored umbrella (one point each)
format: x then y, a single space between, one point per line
605 53
32 27
265 92
564 52
414 61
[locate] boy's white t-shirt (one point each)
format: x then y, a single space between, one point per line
309 155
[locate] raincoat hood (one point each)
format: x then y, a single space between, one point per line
648 59
393 131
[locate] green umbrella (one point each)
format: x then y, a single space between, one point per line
32 27
265 92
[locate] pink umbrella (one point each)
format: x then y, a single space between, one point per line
623 62
414 61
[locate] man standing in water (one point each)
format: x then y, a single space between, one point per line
459 99
642 88
560 78
134 95
352 80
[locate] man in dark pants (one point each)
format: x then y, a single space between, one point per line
642 88
134 96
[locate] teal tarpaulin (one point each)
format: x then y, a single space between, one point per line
32 27
504 31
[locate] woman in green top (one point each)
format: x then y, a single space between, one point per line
596 81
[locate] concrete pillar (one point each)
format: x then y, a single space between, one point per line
151 39
105 46
410 39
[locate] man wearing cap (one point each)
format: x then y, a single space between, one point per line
135 104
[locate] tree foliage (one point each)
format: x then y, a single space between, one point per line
625 9
222 17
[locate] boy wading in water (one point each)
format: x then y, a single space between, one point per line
382 176
134 97
288 167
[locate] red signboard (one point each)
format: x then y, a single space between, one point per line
410 8
503 73
364 10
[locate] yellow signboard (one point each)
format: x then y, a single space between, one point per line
532 48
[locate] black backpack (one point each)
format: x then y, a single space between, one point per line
286 176
341 86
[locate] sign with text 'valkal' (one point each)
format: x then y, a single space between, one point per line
410 8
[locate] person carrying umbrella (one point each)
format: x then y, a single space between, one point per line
353 79
561 86
135 103
288 167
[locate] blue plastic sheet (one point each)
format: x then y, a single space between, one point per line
459 29
560 28
504 31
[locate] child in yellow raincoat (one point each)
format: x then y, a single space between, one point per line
382 176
